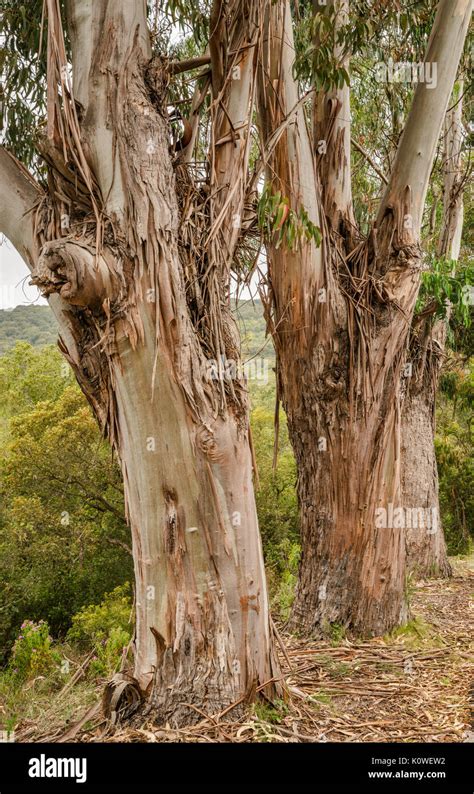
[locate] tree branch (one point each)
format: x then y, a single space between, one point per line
449 242
115 542
103 35
369 159
404 199
17 223
332 125
295 275
72 270
21 193
177 67
233 48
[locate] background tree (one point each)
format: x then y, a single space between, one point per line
373 102
340 315
426 550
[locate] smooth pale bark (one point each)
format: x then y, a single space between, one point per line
202 610
426 548
406 192
23 194
340 366
139 346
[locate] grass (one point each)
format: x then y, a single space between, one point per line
273 713
320 698
417 633
38 702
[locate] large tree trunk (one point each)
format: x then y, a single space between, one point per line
340 329
426 546
202 612
139 320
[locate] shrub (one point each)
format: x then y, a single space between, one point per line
106 628
109 653
32 654
94 624
284 590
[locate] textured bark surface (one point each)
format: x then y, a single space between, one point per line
340 317
141 297
202 634
426 547
332 128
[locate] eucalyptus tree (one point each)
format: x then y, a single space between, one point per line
133 246
444 292
340 311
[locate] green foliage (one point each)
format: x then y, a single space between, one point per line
276 498
249 315
61 508
93 624
315 61
109 654
455 457
273 713
32 653
284 585
446 283
31 375
105 627
23 75
321 697
190 17
414 634
282 225
336 633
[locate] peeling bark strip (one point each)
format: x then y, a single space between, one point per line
340 359
141 297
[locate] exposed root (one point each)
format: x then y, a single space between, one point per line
121 699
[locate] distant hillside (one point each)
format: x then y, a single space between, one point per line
36 325
33 324
252 331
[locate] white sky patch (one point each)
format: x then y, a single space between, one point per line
14 278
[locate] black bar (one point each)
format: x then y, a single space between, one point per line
234 768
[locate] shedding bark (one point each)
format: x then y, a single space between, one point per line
341 321
139 256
